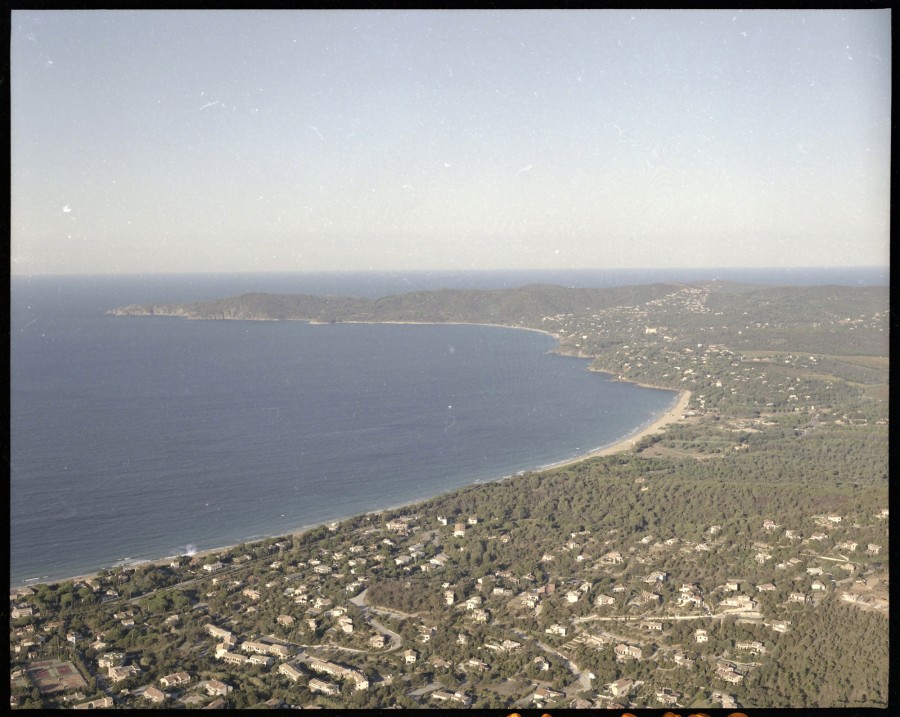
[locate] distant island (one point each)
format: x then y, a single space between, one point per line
735 558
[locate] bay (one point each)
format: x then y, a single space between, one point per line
135 437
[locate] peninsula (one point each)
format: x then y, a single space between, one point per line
733 558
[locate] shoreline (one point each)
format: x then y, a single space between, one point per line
433 323
672 415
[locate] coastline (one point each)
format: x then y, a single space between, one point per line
673 414
445 323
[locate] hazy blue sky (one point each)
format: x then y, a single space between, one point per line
165 141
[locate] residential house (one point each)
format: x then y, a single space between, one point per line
220 633
692 598
613 557
260 648
628 652
359 680
459 697
117 674
739 603
325 688
780 625
176 679
21 611
545 694
155 695
111 659
729 674
646 597
750 646
280 650
667 696
620 687
289 671
474 602
103 703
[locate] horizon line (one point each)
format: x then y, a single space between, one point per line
881 267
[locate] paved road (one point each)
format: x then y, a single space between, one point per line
360 602
582 683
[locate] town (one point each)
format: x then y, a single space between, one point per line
296 620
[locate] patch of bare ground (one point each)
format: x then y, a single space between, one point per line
658 450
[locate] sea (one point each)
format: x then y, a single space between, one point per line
138 438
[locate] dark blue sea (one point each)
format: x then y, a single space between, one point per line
135 438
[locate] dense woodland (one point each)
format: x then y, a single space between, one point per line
776 480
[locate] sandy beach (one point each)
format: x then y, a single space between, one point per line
674 414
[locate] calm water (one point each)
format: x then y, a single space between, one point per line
136 437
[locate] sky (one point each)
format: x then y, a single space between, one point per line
256 141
